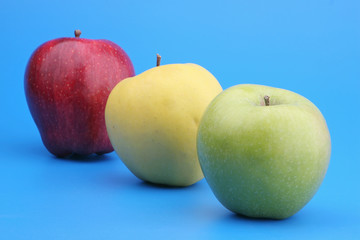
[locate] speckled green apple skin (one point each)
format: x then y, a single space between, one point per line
263 161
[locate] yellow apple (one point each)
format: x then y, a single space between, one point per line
152 121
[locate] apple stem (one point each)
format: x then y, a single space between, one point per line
158 59
77 33
267 100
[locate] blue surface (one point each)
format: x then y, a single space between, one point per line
310 47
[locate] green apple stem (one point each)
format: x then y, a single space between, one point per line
77 33
158 59
267 100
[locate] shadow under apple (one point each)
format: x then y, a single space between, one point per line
151 185
91 158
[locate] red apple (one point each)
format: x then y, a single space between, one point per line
67 83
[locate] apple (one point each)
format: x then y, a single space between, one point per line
264 151
152 121
67 82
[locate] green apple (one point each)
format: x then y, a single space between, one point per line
264 151
152 121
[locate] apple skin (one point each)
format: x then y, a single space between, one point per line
67 83
152 121
263 161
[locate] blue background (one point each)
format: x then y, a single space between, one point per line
310 47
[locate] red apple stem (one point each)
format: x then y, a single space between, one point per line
77 33
158 59
267 100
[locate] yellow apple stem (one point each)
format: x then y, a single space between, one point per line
77 33
267 100
158 59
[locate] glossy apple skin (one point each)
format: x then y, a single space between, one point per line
67 83
152 121
263 161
